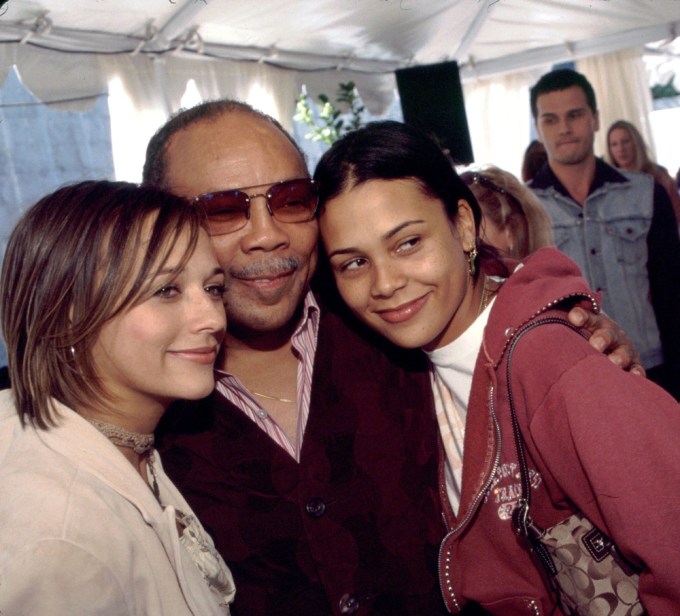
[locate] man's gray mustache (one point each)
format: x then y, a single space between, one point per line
274 267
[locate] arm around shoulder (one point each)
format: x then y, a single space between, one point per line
607 337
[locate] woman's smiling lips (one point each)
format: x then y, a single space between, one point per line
403 312
201 355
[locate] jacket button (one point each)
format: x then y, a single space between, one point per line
316 507
349 604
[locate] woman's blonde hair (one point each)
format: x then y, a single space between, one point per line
509 204
77 258
643 162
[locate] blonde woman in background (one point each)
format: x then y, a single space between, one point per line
627 150
513 220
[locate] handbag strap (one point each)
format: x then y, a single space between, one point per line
521 518
599 543
519 440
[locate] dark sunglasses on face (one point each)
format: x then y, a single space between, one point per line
290 201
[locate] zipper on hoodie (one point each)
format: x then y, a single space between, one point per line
471 510
509 333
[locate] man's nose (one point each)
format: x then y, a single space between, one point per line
263 231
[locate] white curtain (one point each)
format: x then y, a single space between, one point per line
138 103
73 79
144 91
622 89
500 119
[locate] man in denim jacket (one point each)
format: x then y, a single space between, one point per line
617 226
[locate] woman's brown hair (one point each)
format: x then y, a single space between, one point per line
77 258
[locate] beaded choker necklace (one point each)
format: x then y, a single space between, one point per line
139 443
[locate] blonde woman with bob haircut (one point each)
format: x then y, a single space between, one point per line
111 309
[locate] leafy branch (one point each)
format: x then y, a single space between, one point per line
665 90
331 122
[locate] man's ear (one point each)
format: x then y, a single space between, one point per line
596 121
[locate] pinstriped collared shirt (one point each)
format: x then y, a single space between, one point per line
304 343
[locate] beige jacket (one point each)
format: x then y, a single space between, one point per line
82 533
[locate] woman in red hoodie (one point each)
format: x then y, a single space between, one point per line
399 229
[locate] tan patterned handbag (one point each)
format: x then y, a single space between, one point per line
582 565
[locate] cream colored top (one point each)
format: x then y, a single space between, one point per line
82 533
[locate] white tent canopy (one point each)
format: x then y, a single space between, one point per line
374 36
146 53
321 37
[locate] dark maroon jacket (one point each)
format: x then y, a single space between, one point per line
355 527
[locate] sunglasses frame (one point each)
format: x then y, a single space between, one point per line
203 201
478 178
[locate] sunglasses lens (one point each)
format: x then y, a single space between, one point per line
227 211
291 201
294 201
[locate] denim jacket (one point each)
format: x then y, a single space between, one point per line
607 238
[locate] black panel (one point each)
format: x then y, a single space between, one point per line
432 99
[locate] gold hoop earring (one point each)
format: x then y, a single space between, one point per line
471 257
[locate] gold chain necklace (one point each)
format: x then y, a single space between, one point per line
487 296
484 301
257 393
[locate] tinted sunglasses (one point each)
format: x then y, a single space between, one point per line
290 201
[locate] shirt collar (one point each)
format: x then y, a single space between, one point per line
604 174
310 319
310 316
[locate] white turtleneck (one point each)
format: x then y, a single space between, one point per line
452 368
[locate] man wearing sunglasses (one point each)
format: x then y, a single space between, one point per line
314 463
